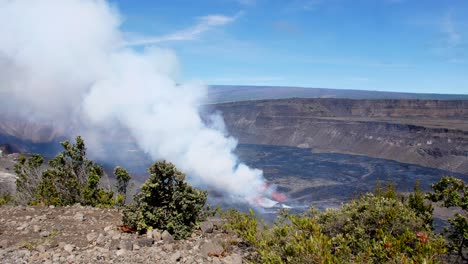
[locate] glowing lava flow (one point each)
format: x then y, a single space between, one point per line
267 192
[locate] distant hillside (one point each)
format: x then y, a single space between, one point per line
233 93
431 133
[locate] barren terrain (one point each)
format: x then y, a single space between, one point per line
91 235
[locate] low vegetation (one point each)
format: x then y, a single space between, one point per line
385 227
69 178
166 202
371 229
452 192
123 179
5 198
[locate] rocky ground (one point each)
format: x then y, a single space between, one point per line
80 234
7 176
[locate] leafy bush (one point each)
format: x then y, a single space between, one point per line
5 198
123 178
29 175
417 202
371 229
71 178
292 239
166 202
380 229
452 192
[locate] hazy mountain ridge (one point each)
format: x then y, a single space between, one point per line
233 93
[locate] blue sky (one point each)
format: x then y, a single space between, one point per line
388 45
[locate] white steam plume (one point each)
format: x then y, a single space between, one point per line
65 62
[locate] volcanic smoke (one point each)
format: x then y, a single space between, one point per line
65 63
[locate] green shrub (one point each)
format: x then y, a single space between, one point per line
246 226
29 175
5 198
292 238
123 179
389 191
381 230
71 178
417 202
166 202
453 192
367 230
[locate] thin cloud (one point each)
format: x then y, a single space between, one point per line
453 36
303 5
356 62
449 36
310 5
204 24
247 2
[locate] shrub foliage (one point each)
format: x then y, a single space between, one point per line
371 229
292 238
123 179
5 198
166 202
29 175
453 192
70 178
378 229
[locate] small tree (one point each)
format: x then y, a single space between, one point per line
166 202
91 193
452 192
123 178
29 175
423 209
47 193
71 178
70 171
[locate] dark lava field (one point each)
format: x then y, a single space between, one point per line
327 179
